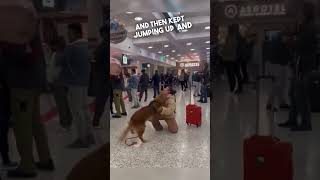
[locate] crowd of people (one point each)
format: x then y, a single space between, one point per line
284 52
28 71
136 87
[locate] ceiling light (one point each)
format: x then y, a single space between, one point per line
207 42
150 47
173 51
160 52
138 19
178 54
166 46
189 44
192 49
208 48
167 55
129 12
172 58
207 27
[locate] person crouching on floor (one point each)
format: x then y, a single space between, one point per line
167 112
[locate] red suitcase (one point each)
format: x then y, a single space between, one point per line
266 158
193 115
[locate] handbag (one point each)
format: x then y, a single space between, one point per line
18 21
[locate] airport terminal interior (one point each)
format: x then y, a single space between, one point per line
174 52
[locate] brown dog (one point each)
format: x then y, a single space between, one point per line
137 123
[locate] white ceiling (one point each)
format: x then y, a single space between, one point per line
118 6
197 35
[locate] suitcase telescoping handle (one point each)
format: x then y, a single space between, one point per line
265 118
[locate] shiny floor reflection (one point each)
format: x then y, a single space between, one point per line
189 148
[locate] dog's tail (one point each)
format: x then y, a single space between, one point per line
124 134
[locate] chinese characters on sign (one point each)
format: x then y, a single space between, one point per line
232 11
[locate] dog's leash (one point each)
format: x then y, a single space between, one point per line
131 143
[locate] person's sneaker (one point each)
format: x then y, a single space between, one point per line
78 144
112 112
301 128
95 124
284 106
271 108
9 165
286 125
116 116
45 166
17 173
124 114
200 101
91 139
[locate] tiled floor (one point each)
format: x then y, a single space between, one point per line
63 157
189 148
160 174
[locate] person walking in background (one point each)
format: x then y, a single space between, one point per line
197 83
5 115
57 88
111 99
186 80
118 88
126 86
229 53
204 85
25 75
156 84
75 74
133 82
101 56
277 66
306 51
181 80
144 84
245 53
162 81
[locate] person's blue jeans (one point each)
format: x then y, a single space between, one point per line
156 91
204 94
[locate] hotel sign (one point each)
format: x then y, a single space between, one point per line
189 64
258 11
233 11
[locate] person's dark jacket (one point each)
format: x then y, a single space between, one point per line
76 64
156 80
23 66
99 71
206 78
266 50
307 48
144 81
117 82
102 58
280 53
